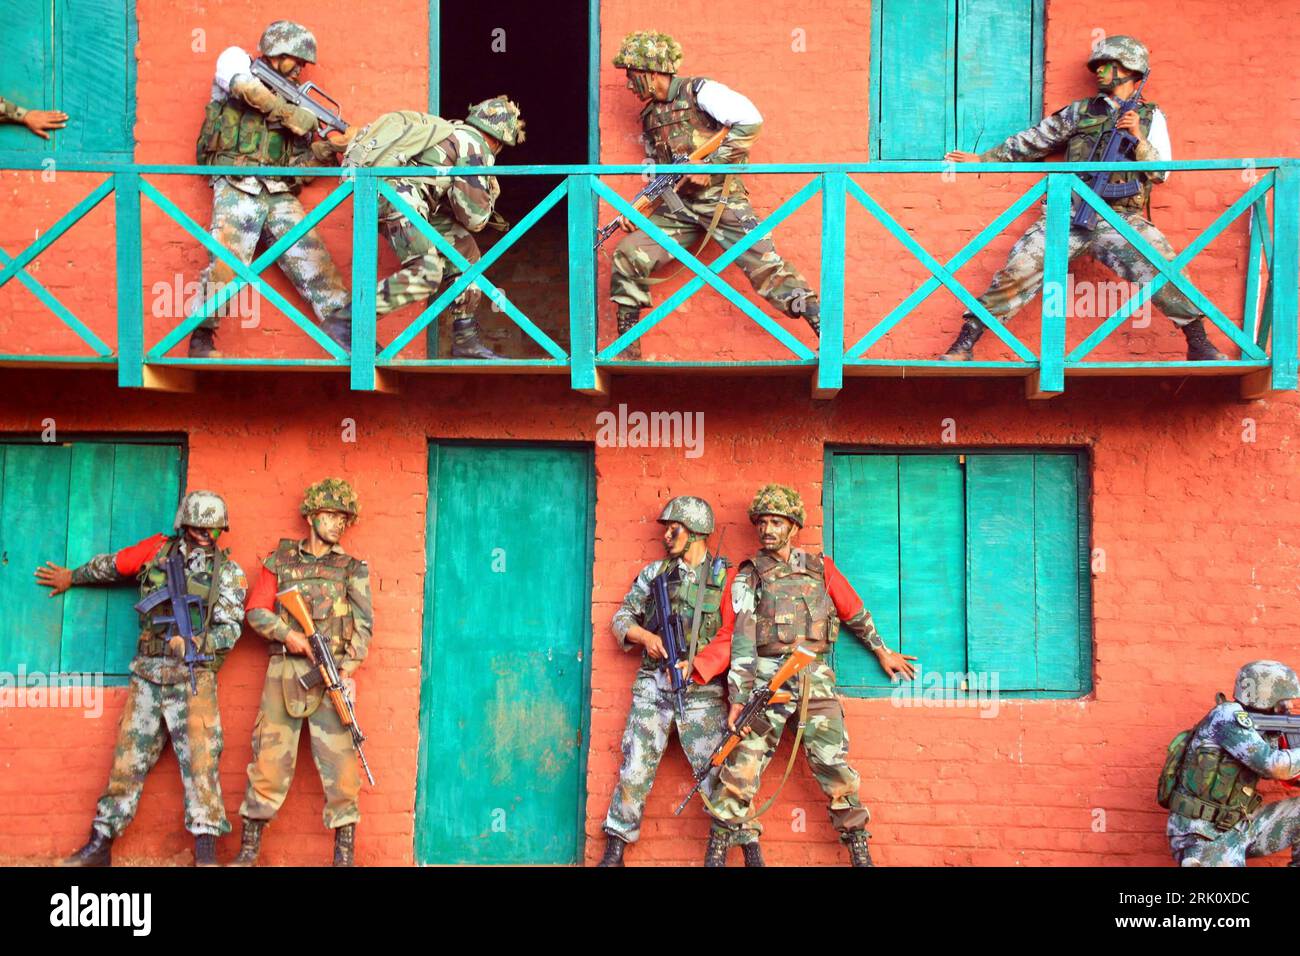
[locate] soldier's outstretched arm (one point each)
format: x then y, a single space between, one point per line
856 619
363 620
108 568
38 121
1034 143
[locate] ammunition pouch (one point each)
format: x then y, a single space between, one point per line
236 135
1215 787
1222 817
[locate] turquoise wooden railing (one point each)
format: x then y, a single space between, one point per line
1266 335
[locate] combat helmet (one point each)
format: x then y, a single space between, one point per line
649 50
781 500
1124 50
331 494
202 509
286 38
1262 685
692 513
498 117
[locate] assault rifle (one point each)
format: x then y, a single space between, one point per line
326 672
182 603
668 626
1118 149
657 189
769 693
301 95
1288 724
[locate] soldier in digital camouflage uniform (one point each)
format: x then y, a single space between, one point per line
1119 63
1216 818
38 121
785 597
336 587
456 206
160 702
687 521
248 124
681 114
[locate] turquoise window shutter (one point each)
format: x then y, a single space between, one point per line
26 69
915 82
997 60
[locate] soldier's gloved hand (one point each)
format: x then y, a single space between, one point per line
297 643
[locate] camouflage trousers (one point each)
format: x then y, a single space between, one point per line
275 754
153 713
1272 828
245 224
638 255
424 268
825 744
1020 279
645 738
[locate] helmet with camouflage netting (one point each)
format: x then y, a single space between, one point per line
1124 50
202 509
780 500
692 513
1262 685
649 50
498 117
286 38
331 494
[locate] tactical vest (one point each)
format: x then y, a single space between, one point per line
683 597
1095 121
1214 786
677 126
153 577
794 606
236 134
323 583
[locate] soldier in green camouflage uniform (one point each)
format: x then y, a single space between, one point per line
336 587
160 701
681 114
1216 818
248 124
786 597
1119 62
38 121
687 521
456 206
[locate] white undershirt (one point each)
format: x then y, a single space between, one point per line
726 105
1157 137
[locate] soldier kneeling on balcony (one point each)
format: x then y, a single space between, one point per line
1119 63
680 115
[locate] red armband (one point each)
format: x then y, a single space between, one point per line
846 600
129 561
715 658
262 593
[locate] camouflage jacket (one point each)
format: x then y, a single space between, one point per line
1228 727
636 608
11 112
227 616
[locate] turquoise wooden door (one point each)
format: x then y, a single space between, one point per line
503 698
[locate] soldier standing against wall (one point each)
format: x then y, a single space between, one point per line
38 121
456 206
160 700
785 597
1119 63
336 586
682 113
248 124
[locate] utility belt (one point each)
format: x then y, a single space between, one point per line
777 649
150 646
1221 816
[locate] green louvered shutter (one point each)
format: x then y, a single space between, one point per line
96 75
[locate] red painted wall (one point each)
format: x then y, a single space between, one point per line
1200 528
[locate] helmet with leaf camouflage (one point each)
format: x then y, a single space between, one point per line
781 500
331 494
498 117
1124 50
286 38
649 50
202 509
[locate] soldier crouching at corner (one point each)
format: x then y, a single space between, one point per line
1209 783
165 699
336 587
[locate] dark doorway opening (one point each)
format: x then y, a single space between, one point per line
537 54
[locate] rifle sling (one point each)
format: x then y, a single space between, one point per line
697 615
718 210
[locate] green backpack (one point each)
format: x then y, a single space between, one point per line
1173 767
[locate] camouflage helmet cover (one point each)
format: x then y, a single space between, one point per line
1125 50
1262 685
498 117
648 50
202 509
781 500
286 38
331 494
692 513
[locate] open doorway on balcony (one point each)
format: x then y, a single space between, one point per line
538 55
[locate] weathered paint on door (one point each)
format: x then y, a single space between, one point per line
503 699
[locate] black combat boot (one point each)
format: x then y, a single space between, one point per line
203 343
250 843
465 342
753 854
859 855
715 854
340 330
344 843
812 314
1199 347
962 347
613 851
97 852
205 850
626 319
